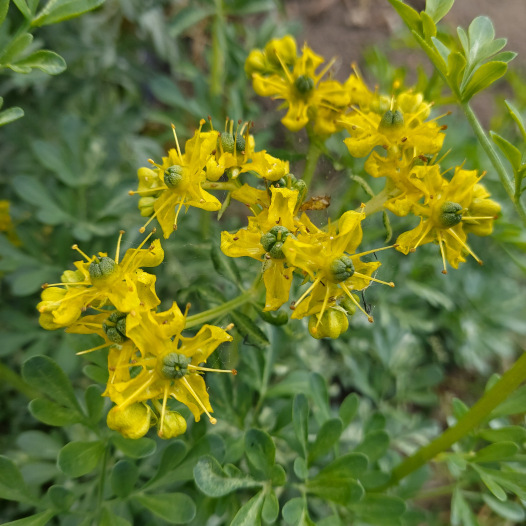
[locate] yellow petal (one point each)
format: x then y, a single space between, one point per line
278 280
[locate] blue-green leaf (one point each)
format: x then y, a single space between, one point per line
60 10
483 77
511 153
174 508
438 9
79 458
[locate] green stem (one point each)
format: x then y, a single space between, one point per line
494 158
376 203
510 381
217 65
220 310
313 154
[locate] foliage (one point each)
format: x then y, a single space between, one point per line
330 420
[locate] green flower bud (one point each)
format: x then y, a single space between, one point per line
333 323
72 276
450 214
173 176
115 327
175 365
275 318
349 305
102 268
304 84
391 120
228 142
342 268
273 241
174 425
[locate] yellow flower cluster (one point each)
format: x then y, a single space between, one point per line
149 359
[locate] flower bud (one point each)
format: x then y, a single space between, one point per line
342 268
174 425
450 214
146 206
102 268
273 241
175 365
256 62
275 318
285 48
333 323
131 422
228 143
348 305
173 176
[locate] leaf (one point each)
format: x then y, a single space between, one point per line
250 513
61 10
270 509
515 404
188 17
53 414
15 47
320 395
260 451
174 508
214 482
514 482
300 420
438 9
301 469
327 437
461 513
10 115
38 444
47 61
379 509
496 452
46 376
61 497
337 481
252 334
94 402
4 6
480 32
407 14
225 266
123 478
508 510
442 49
171 458
428 26
40 519
374 445
517 117
79 458
23 8
349 408
507 433
108 518
511 153
12 485
135 448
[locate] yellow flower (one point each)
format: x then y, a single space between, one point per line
235 154
329 260
100 281
450 208
169 362
263 240
131 422
304 93
177 182
266 61
401 126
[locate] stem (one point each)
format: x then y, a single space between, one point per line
494 158
220 310
217 65
313 154
510 380
376 203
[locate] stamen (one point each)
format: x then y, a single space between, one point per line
353 299
294 304
390 283
483 218
136 250
95 348
290 78
61 284
465 245
117 252
208 369
177 143
147 191
76 247
323 307
163 410
151 161
442 251
164 205
326 68
372 251
426 231
178 210
192 392
143 387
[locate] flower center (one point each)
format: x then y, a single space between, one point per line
391 120
304 84
175 365
450 214
173 176
115 327
273 241
101 268
228 142
342 268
